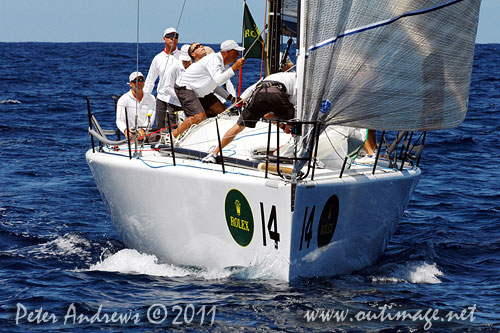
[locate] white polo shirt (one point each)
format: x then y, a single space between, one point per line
130 103
160 67
206 75
172 72
289 80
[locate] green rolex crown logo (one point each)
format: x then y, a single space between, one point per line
239 217
238 207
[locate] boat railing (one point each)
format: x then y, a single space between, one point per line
403 149
296 128
398 152
96 131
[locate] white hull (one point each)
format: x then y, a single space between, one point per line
183 213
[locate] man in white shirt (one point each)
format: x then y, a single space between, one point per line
273 97
195 88
166 100
173 71
136 102
198 51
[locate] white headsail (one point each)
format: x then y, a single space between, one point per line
394 65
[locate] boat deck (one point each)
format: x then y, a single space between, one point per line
161 157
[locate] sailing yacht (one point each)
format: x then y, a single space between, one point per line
306 200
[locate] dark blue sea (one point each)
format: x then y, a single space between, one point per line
63 266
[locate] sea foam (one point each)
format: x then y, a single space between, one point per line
9 101
130 261
412 272
266 264
61 246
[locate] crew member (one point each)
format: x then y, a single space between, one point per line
165 99
195 88
273 97
136 99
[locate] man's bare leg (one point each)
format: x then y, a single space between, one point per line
190 121
371 142
228 137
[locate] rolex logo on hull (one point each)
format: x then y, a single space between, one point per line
239 217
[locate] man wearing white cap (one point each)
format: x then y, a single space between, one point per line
172 72
159 66
136 102
195 88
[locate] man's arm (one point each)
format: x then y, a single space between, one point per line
152 110
285 127
216 69
170 77
249 91
120 116
221 92
152 76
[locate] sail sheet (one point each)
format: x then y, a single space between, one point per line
388 64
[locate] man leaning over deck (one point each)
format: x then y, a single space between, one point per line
165 100
196 86
273 97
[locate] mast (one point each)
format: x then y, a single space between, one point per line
301 59
274 35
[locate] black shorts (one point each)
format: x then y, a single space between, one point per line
161 114
263 101
209 100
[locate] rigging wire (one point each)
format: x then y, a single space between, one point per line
137 43
179 21
137 70
265 43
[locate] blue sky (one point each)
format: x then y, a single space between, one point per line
208 21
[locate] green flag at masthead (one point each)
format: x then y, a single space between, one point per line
253 49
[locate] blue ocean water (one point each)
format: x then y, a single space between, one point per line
61 258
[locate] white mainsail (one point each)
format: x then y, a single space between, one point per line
393 65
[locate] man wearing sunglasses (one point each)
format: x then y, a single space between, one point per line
195 88
197 51
165 100
136 99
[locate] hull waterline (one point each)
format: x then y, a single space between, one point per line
194 214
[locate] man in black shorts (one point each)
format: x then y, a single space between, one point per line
273 97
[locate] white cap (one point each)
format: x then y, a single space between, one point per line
208 49
134 75
230 45
169 31
184 53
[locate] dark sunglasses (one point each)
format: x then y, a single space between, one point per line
196 48
141 79
172 36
